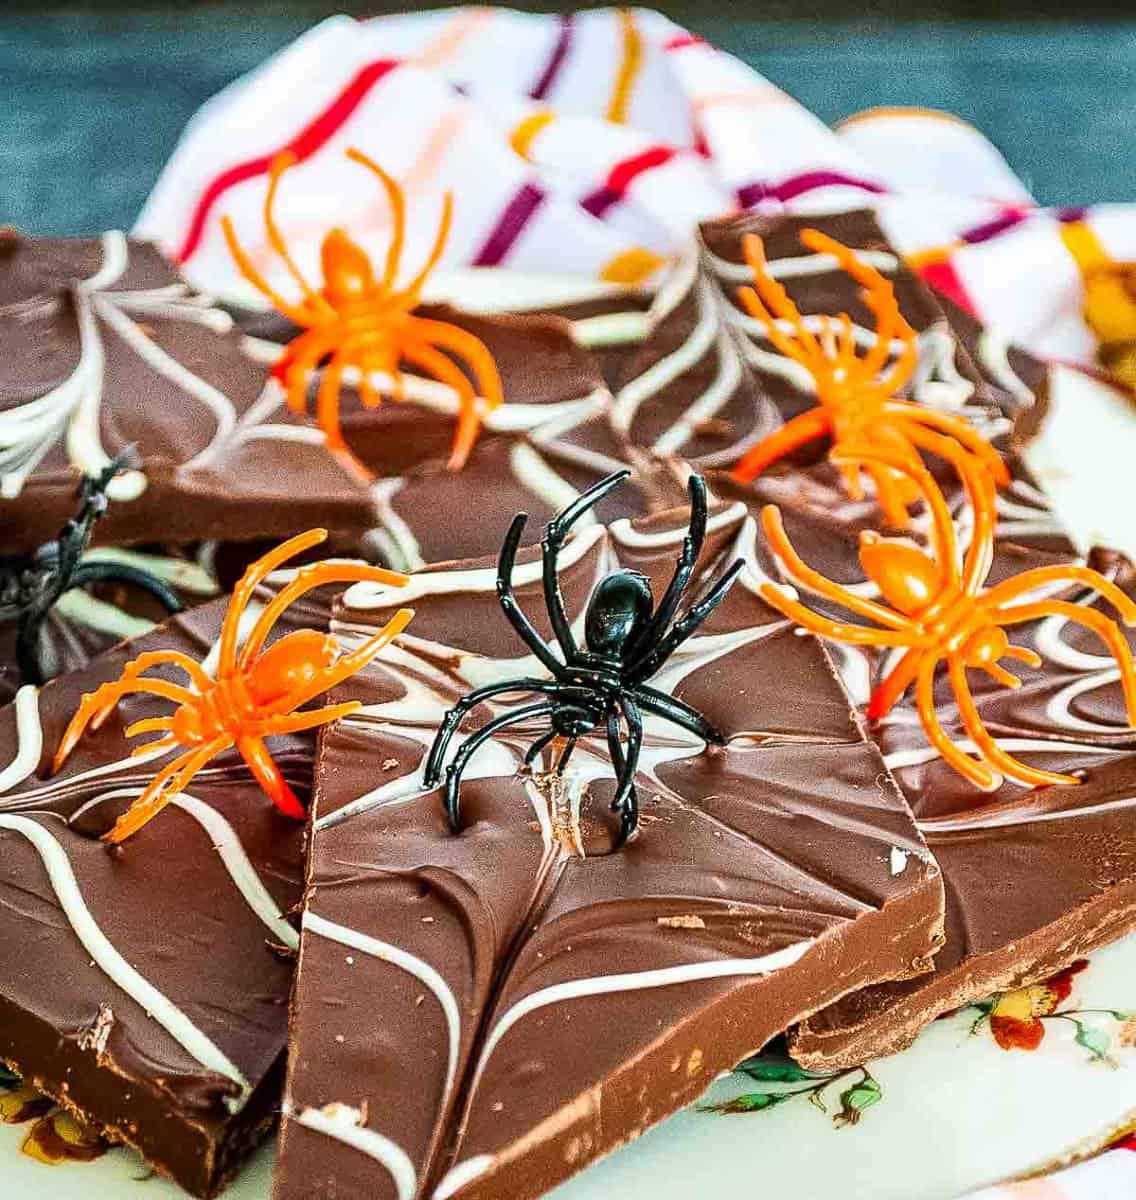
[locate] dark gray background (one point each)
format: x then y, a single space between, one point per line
93 96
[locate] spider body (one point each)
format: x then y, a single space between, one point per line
30 587
627 639
359 320
857 406
936 612
254 694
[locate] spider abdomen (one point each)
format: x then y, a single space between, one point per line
619 608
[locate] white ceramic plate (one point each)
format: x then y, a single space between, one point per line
953 1113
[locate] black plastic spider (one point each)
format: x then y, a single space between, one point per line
626 643
30 585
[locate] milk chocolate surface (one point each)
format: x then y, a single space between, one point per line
146 987
482 1014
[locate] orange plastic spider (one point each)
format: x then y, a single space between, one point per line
360 321
255 693
940 613
856 395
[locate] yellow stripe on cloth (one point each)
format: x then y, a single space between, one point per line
632 266
1085 247
522 137
629 68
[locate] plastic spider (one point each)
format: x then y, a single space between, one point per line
255 693
360 321
30 587
627 641
940 613
856 395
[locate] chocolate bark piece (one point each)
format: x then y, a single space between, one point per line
962 368
483 1014
145 988
105 346
1034 878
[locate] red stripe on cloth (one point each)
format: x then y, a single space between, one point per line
1128 1143
556 59
621 177
680 41
303 145
944 277
508 228
624 173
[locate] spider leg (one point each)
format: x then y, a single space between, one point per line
170 780
299 314
803 428
267 774
469 347
838 631
800 571
247 584
310 718
508 599
398 214
112 572
301 359
534 751
894 684
688 556
197 676
1073 573
554 534
952 426
1107 630
327 403
671 708
767 300
433 770
29 645
986 743
276 240
95 706
148 725
890 495
308 578
566 754
626 799
446 371
470 746
686 626
978 773
410 294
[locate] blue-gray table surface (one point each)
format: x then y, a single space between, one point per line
92 100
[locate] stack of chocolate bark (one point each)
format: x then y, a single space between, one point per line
484 1013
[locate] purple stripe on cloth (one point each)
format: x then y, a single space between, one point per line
983 233
508 228
600 201
798 185
556 59
1068 215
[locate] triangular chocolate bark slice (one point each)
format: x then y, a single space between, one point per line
483 1014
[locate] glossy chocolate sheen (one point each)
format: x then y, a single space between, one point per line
1034 878
194 903
105 347
483 1014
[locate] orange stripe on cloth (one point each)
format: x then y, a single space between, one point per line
632 266
461 26
523 135
629 68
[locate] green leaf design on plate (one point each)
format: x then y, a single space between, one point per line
856 1099
750 1102
1095 1041
775 1068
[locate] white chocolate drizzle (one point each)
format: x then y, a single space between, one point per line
156 1005
346 1124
